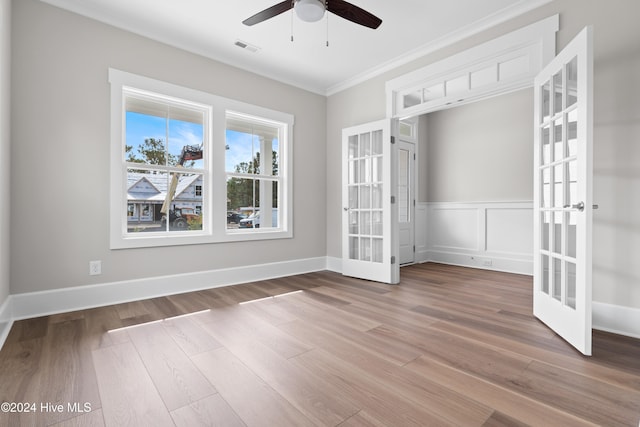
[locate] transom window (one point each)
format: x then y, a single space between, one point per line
184 160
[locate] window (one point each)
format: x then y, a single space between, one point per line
252 171
183 160
164 156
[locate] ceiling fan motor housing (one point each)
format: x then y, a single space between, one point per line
310 10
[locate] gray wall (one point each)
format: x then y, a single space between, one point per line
5 151
60 153
616 133
479 152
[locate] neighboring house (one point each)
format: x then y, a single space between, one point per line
147 192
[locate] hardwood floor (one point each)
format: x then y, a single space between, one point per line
448 346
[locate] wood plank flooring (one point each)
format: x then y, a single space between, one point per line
449 346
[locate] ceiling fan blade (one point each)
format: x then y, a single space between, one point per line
269 12
353 13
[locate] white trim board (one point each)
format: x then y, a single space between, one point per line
616 319
35 304
6 320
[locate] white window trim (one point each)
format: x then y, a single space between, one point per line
214 221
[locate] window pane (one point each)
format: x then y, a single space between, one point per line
147 195
546 146
162 134
254 200
557 279
252 146
376 223
354 224
412 99
353 197
365 224
558 152
434 92
571 285
545 230
376 143
572 133
185 144
546 188
571 224
557 92
572 82
365 144
376 250
354 175
354 246
571 183
545 105
145 139
365 249
545 274
558 197
365 196
353 147
243 153
557 232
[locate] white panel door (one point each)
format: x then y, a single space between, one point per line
563 204
369 222
406 201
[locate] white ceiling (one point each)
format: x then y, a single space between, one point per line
410 28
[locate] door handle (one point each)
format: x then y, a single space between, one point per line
578 206
345 209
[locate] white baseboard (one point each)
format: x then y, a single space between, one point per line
334 264
616 319
35 304
497 263
6 320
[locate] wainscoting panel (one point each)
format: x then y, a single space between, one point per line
455 228
490 235
509 231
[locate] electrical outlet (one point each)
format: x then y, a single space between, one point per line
95 268
487 263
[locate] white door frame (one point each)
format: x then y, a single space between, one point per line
408 226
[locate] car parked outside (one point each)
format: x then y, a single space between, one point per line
253 221
234 217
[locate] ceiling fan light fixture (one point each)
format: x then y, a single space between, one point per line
309 10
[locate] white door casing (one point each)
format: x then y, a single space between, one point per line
369 207
406 201
563 204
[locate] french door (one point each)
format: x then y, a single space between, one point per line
563 204
369 207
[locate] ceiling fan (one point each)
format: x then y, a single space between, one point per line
313 10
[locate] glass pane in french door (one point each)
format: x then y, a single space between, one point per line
365 196
558 185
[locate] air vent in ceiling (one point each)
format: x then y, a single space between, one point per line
249 47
